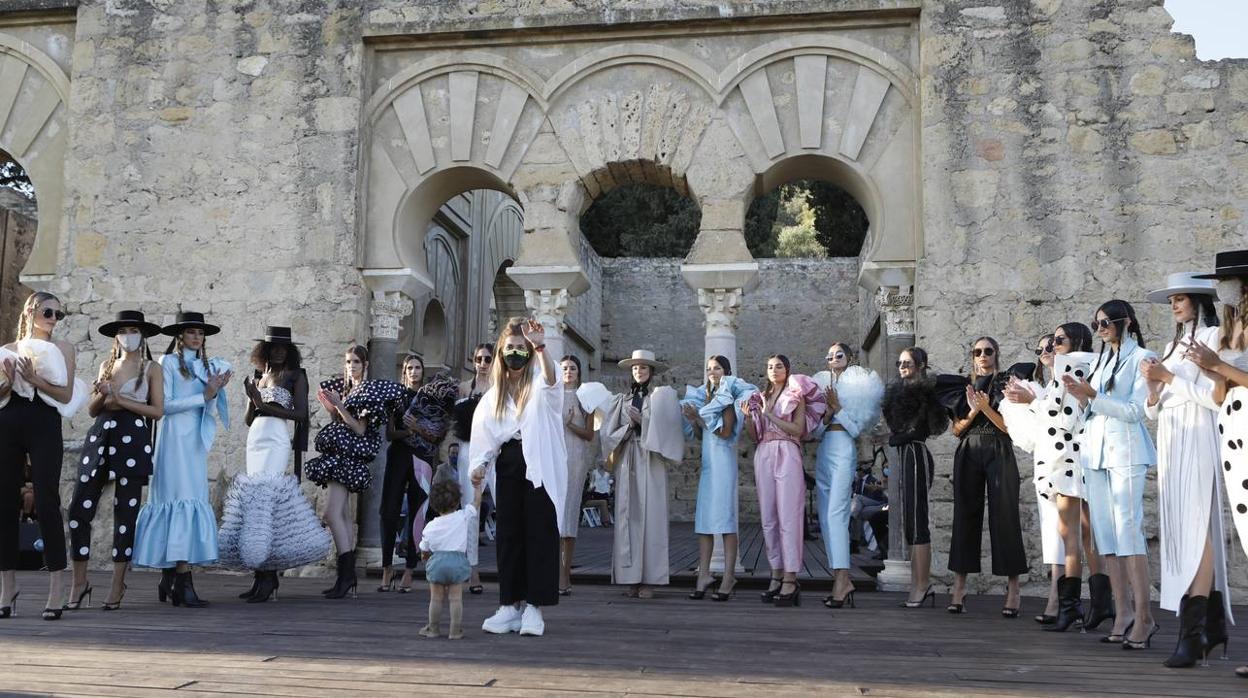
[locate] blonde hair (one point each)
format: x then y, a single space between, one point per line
26 321
500 376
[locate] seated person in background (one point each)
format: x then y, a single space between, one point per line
869 498
598 494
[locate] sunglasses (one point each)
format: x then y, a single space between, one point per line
986 351
835 357
1103 324
1046 349
49 313
483 359
905 364
1059 341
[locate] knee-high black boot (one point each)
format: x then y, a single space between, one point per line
1190 648
1069 610
1215 625
165 588
1101 603
346 577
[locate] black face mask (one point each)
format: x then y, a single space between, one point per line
516 360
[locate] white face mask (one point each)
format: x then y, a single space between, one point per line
131 342
1230 291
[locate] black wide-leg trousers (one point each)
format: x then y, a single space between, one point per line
984 463
528 534
31 428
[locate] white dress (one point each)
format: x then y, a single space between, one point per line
1189 483
1026 426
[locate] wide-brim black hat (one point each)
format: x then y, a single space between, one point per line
188 320
1228 264
274 334
129 318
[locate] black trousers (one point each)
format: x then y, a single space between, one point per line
985 462
399 483
528 534
917 470
31 429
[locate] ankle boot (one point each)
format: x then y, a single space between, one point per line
1190 648
1101 602
255 584
1215 625
266 587
340 569
165 588
346 577
184 592
1069 610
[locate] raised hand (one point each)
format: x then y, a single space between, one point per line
534 332
1154 371
1079 388
8 368
1016 392
253 392
970 399
26 368
1200 355
634 414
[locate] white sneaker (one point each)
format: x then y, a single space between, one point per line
532 623
505 620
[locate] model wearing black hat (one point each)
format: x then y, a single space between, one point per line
177 527
127 399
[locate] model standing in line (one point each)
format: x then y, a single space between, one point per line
1189 480
712 412
470 392
34 397
1118 453
984 463
914 415
358 409
128 398
1228 365
267 524
853 396
177 527
788 408
578 438
517 431
642 437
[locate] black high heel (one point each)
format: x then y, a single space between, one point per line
833 602
52 613
1045 619
725 595
114 605
388 586
477 589
255 584
266 589
1146 643
10 610
929 594
769 596
1112 639
699 592
793 598
77 604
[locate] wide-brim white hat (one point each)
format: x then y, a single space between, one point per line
643 357
1185 282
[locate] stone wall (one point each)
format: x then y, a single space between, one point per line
798 309
1073 153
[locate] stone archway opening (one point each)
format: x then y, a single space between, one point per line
19 222
434 339
506 299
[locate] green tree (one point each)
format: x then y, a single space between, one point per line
642 220
799 239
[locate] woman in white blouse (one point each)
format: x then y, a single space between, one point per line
518 430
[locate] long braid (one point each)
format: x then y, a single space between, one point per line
111 364
177 350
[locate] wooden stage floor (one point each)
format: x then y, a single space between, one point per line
598 644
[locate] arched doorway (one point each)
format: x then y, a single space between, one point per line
19 220
435 336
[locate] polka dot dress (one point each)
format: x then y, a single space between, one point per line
118 447
345 455
1058 462
1233 439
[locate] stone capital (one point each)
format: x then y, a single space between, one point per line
720 306
387 311
896 306
549 307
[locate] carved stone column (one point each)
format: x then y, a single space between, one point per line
549 307
386 313
720 306
896 306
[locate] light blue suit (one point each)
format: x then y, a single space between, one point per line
1117 452
177 523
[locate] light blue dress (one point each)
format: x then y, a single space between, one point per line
717 484
177 523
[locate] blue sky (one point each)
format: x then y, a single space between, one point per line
1220 26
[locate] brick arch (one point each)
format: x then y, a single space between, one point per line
34 92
